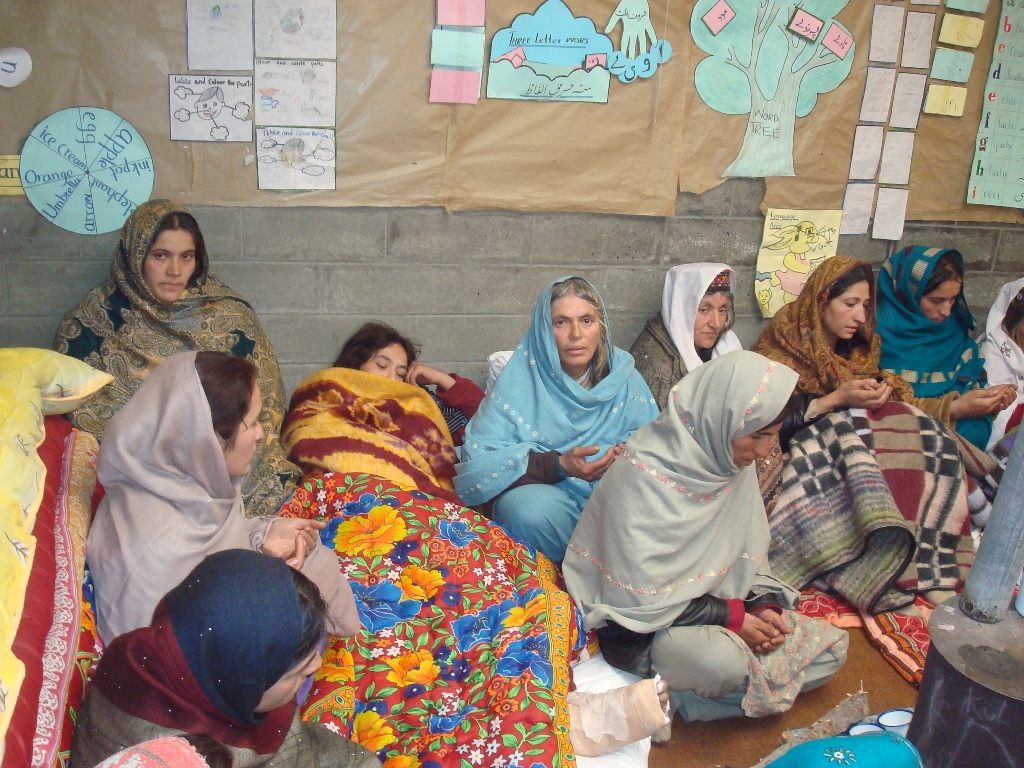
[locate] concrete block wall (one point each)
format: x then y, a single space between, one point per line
462 284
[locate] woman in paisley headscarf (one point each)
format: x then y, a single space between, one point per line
161 298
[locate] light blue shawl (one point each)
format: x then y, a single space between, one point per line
536 407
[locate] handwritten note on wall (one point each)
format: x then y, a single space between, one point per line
886 33
945 100
960 30
10 178
997 173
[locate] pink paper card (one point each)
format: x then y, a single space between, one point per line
837 41
806 25
460 13
454 86
720 15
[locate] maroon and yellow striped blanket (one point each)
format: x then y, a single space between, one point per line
347 421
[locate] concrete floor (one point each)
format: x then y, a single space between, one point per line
741 742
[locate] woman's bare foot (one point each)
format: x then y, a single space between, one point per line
602 722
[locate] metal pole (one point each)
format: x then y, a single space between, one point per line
1000 557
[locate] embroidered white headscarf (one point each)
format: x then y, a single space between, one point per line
685 286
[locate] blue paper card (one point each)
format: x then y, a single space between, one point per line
971 6
457 47
951 65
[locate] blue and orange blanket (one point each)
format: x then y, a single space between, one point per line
466 640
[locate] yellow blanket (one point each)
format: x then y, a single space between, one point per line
345 420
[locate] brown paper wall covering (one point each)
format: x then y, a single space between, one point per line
630 155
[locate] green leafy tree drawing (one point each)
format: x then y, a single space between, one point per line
757 66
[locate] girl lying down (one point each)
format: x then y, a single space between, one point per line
371 412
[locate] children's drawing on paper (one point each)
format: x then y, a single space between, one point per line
296 29
295 92
219 34
210 107
793 244
296 158
549 56
640 51
757 65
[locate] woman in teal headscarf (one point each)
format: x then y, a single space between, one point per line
554 421
925 326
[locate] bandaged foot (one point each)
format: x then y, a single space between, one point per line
603 722
663 735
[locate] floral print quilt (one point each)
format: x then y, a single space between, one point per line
466 640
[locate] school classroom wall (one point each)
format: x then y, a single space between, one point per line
463 283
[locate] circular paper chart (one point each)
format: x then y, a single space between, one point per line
86 169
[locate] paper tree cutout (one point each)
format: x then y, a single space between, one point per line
756 66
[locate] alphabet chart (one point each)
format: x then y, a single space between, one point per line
997 173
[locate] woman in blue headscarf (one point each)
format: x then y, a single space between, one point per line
925 327
554 421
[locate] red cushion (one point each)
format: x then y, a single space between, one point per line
37 617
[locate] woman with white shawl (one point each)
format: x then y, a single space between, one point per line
694 326
670 558
1004 357
171 465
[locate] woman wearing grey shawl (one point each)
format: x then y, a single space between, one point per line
173 493
669 558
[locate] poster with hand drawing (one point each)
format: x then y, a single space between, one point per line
295 158
640 52
298 92
296 29
793 244
210 107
